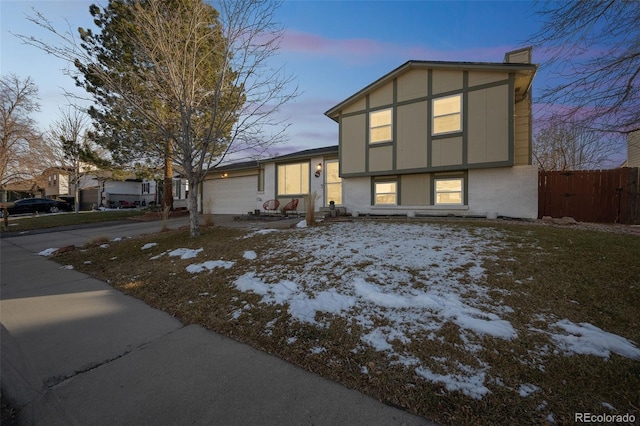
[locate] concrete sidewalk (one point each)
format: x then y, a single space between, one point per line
77 352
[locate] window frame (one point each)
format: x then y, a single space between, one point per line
389 125
434 117
328 184
393 181
436 192
261 179
303 178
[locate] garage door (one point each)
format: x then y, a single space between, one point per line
236 195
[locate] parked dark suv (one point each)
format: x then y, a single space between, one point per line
33 205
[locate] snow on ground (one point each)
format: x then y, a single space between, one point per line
399 283
48 252
148 246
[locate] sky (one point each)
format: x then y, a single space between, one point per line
333 48
376 302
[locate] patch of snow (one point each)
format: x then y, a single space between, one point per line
527 389
550 418
209 265
291 340
117 239
263 231
47 252
302 224
587 339
67 267
317 350
609 406
148 246
401 275
472 386
104 245
87 262
250 255
185 253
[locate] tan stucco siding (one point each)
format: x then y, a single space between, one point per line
478 78
353 144
412 85
522 133
415 189
380 158
412 130
446 152
382 96
446 81
488 124
358 105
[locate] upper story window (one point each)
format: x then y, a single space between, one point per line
380 126
449 191
447 115
146 187
293 179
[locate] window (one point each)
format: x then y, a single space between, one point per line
146 187
449 191
386 193
333 183
293 179
447 115
380 126
261 179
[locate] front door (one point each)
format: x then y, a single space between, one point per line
332 183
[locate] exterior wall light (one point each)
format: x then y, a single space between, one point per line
318 170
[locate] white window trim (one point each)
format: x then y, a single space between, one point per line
375 193
390 125
435 191
327 184
303 177
433 115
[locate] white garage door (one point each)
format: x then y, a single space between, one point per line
236 195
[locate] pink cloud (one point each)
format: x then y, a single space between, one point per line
357 49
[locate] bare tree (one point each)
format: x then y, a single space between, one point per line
210 82
561 145
18 133
593 52
69 140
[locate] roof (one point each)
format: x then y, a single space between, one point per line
523 68
307 153
254 164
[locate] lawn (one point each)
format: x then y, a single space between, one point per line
460 322
29 223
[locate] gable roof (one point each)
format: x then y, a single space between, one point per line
526 69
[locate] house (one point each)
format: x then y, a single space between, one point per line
633 149
102 189
16 190
441 138
244 187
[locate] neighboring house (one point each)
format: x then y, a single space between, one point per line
102 190
58 182
633 149
243 188
439 138
29 188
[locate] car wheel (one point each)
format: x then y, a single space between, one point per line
54 209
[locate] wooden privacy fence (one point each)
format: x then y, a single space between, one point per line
601 196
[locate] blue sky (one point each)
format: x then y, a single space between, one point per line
334 48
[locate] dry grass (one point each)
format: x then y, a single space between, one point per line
584 276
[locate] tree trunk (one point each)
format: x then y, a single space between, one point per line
167 192
194 224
